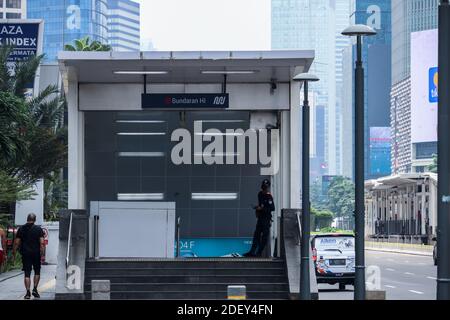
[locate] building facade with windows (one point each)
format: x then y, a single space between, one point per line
401 127
65 21
13 9
408 17
310 25
124 25
377 64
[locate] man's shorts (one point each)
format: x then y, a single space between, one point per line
31 263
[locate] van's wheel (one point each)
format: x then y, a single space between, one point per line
342 286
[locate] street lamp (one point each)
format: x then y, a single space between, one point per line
305 290
443 225
359 31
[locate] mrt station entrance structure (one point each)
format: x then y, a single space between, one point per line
151 157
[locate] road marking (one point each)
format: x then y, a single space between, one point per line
432 278
49 285
391 260
390 269
416 292
388 286
409 273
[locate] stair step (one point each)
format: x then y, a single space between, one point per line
192 295
187 287
183 279
185 271
170 278
185 264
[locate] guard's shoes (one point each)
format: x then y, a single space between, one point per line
28 295
36 293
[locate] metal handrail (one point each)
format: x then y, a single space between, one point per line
178 236
69 240
299 225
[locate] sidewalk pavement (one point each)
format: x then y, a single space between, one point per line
405 248
12 288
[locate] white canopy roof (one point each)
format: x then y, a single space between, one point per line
185 67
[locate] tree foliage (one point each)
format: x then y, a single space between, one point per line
85 44
341 197
434 166
33 138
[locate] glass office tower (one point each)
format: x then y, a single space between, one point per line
67 20
377 64
124 25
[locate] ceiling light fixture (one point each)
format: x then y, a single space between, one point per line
140 196
130 72
229 71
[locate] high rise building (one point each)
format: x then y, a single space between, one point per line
401 127
114 22
348 117
408 17
344 95
377 64
65 21
124 25
13 9
310 25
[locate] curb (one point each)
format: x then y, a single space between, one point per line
11 276
415 253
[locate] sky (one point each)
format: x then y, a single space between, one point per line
205 24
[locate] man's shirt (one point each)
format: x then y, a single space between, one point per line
265 201
30 236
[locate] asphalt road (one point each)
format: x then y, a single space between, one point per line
403 277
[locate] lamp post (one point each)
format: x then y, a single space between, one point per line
359 31
305 290
443 225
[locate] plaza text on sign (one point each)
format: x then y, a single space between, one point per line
194 100
23 37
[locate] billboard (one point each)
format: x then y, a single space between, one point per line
23 36
380 151
424 86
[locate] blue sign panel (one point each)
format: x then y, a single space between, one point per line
214 247
433 77
23 37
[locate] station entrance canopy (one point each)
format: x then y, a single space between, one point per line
127 113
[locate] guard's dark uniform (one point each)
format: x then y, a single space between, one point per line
262 231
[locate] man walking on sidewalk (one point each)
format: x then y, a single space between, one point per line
30 241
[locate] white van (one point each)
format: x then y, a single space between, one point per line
334 258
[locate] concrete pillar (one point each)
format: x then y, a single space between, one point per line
100 290
76 188
295 145
375 295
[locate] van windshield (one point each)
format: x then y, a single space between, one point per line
341 243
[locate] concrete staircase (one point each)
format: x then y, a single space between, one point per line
194 279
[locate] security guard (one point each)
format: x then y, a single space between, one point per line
264 219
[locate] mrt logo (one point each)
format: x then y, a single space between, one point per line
433 85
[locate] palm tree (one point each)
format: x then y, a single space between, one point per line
33 138
84 44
